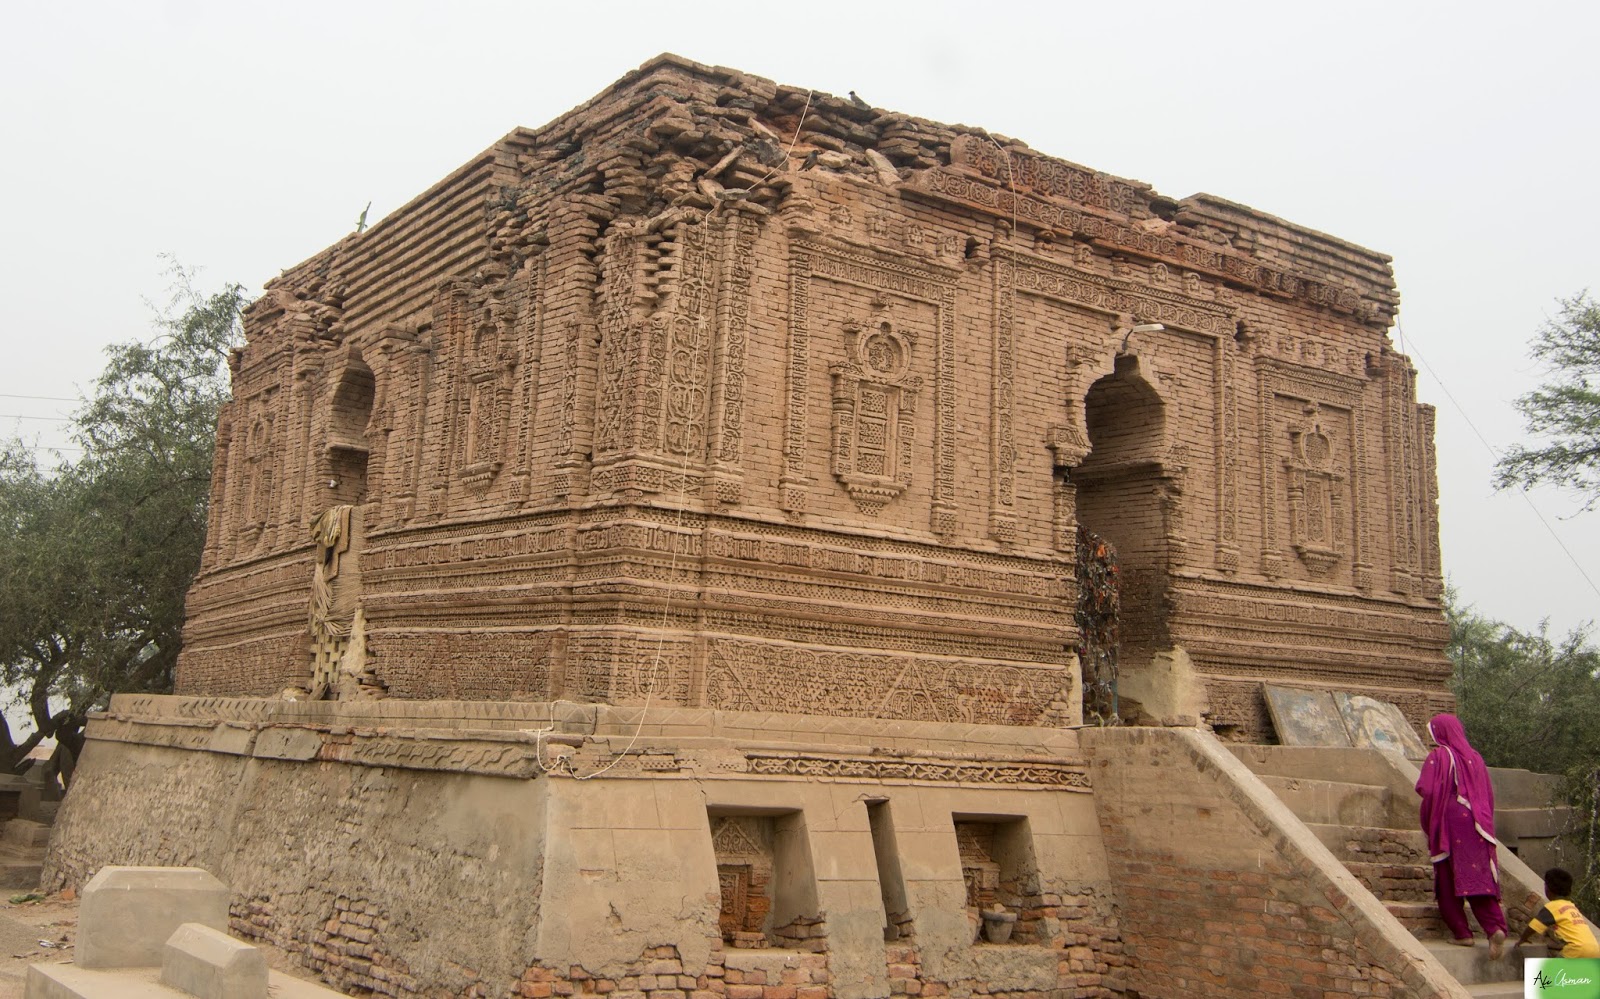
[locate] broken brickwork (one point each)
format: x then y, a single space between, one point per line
719 393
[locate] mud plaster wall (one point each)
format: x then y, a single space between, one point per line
825 401
427 883
349 869
1223 889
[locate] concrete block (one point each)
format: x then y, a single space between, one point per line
208 963
68 981
25 833
128 913
65 981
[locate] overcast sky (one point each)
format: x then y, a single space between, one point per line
242 138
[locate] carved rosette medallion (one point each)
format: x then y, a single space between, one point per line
874 405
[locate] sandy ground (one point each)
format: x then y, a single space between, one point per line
34 932
44 932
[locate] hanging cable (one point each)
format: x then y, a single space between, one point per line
1495 454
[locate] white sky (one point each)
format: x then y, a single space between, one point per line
242 138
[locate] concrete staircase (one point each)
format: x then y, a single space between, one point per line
1350 800
27 811
22 847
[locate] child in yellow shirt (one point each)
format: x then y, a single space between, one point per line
1560 916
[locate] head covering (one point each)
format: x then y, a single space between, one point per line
1453 772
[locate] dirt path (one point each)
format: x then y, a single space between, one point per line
25 929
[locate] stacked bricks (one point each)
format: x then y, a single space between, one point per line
347 950
660 974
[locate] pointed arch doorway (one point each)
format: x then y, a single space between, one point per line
1122 490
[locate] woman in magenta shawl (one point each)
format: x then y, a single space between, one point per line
1458 819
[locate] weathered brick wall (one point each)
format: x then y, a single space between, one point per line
1224 893
404 883
427 849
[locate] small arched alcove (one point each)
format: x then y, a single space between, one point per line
1119 497
348 447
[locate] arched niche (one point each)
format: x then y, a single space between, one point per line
1123 495
348 445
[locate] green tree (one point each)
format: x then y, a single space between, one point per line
1563 412
1532 702
97 554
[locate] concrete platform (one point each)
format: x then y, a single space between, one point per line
68 981
1472 966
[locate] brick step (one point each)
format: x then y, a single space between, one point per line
1333 802
1472 966
1372 844
1421 918
1396 882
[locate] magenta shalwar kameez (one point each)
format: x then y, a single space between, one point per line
1458 819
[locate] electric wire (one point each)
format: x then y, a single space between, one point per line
1494 453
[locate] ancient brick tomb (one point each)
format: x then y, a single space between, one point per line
663 546
719 393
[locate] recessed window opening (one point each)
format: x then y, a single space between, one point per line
891 883
347 435
765 879
1002 878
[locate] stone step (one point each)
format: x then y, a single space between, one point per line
1472 966
25 833
44 811
20 867
1396 882
1532 823
1361 766
1332 802
1496 990
1524 789
1372 844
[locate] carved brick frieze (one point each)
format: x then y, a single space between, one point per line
1404 467
1113 296
1227 448
500 546
452 755
739 233
1108 227
744 676
1312 426
1002 404
1060 775
810 262
1269 607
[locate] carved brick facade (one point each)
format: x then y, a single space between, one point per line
719 393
